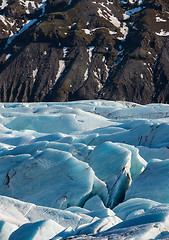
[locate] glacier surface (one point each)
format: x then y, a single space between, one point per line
84 170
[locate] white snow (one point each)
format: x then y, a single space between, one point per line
65 51
110 17
162 33
60 69
4 4
87 31
158 19
85 167
28 3
107 14
61 64
96 74
112 32
3 19
8 56
124 30
86 74
29 23
6 21
106 67
90 52
34 74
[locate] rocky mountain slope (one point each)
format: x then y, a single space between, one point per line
62 50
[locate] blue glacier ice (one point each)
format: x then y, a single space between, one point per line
91 169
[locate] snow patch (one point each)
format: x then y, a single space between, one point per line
86 74
90 52
65 51
109 17
34 74
87 31
162 33
158 19
8 56
3 19
60 70
4 4
28 4
97 73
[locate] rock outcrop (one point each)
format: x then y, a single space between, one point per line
80 49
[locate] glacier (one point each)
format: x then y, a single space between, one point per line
91 169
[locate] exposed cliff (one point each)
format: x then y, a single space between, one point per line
60 50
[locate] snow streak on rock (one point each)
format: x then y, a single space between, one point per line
4 4
33 27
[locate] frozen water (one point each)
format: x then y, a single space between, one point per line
36 179
111 164
88 167
39 230
155 177
134 207
6 229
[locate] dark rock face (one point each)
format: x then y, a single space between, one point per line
81 49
